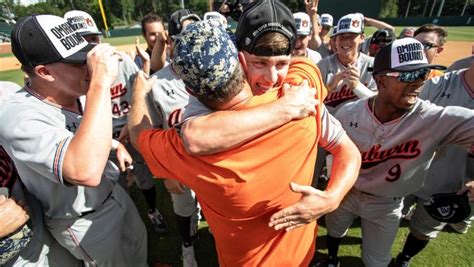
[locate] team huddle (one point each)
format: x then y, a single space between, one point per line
240 126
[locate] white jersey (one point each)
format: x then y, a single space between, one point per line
397 154
313 55
329 66
121 93
36 134
167 99
447 172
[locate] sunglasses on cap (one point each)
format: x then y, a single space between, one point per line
409 76
428 46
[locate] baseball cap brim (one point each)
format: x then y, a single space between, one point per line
79 57
419 66
87 33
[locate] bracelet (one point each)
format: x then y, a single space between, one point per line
115 144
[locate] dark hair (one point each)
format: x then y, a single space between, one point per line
233 87
272 41
149 18
440 31
30 71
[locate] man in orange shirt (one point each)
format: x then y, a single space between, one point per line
239 189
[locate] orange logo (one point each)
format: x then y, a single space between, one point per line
304 23
89 22
355 23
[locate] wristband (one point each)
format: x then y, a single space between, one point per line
115 144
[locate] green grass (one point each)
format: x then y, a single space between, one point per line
449 249
15 76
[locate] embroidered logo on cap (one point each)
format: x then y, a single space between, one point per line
63 37
407 52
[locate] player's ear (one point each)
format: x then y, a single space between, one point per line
440 49
43 72
243 62
379 81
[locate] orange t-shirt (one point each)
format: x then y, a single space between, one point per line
241 188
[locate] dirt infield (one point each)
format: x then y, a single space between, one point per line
453 51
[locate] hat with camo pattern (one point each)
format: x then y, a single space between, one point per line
204 57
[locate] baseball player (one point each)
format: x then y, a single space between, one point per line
321 28
347 74
397 134
167 101
433 38
121 96
303 30
452 89
61 148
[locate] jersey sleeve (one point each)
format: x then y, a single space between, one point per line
35 142
194 109
154 109
455 125
331 130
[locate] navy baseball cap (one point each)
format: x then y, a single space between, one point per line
176 19
449 207
205 57
43 39
261 17
382 36
402 55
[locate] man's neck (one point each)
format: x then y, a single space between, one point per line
240 99
51 95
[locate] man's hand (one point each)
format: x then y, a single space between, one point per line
313 204
143 84
102 63
123 157
173 186
468 187
311 7
299 101
336 79
140 51
12 215
353 76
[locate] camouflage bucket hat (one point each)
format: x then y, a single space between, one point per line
204 57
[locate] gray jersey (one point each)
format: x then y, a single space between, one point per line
397 154
447 172
313 55
462 63
167 99
341 94
121 93
324 51
36 135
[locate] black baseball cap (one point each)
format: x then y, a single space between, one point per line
449 207
261 17
402 55
180 15
382 36
43 39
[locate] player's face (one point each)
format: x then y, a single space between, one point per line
152 30
347 44
400 95
264 73
332 43
430 41
324 31
301 44
74 79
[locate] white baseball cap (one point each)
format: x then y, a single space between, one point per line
326 20
82 22
351 23
303 23
405 54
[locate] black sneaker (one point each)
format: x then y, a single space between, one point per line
329 262
158 222
401 261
